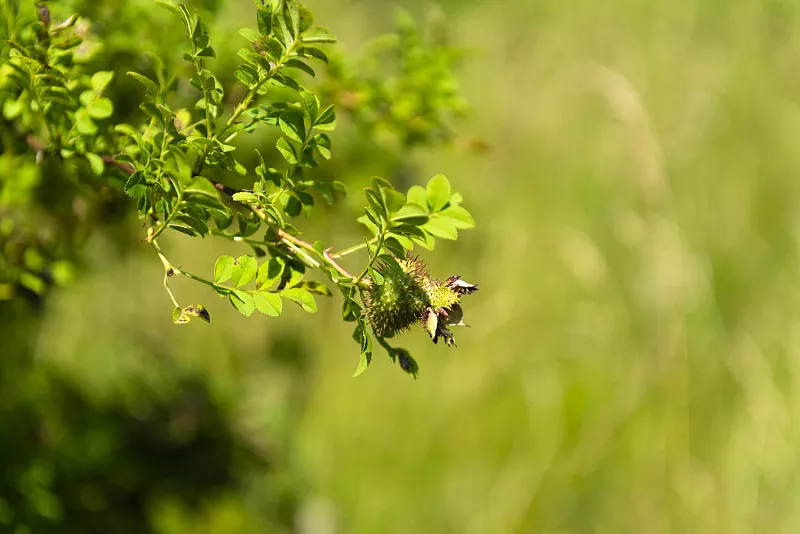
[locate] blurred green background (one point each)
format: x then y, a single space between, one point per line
634 358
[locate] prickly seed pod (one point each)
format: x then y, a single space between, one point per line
395 304
407 294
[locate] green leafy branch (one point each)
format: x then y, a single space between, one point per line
165 160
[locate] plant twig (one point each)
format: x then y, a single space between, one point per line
289 238
354 248
169 270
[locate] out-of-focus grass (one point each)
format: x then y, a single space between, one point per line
633 361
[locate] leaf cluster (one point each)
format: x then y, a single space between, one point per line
168 163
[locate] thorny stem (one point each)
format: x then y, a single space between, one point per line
326 254
308 260
299 247
236 238
288 238
354 248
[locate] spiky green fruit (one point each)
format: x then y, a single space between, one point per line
407 294
399 301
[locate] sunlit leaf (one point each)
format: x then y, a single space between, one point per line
243 271
438 192
268 303
301 297
242 301
223 268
